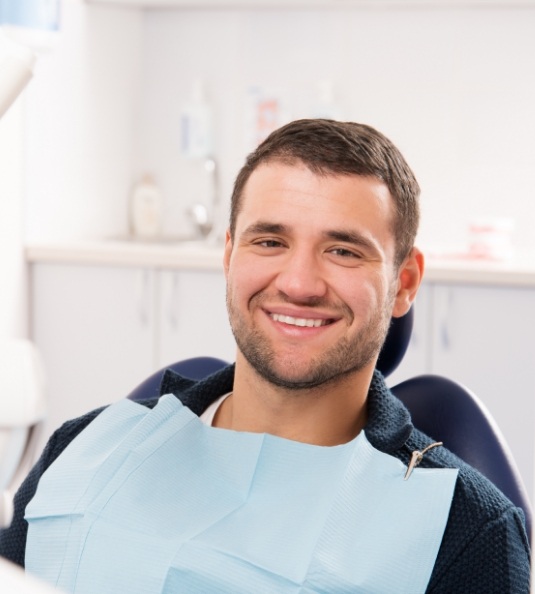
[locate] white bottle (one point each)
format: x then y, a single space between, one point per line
146 209
196 125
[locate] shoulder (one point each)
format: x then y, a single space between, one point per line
67 432
474 492
475 496
13 538
485 546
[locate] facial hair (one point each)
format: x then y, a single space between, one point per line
349 355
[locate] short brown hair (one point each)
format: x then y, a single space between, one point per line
344 148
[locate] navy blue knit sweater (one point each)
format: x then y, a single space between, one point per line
484 549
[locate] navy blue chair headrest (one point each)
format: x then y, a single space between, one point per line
195 368
396 343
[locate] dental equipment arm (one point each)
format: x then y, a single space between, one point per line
16 70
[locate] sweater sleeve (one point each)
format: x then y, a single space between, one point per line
13 538
495 561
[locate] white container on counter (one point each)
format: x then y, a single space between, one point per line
146 208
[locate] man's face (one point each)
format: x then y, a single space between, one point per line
310 274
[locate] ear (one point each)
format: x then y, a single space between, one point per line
409 278
227 252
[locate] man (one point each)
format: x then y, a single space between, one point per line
303 473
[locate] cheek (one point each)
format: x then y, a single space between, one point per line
366 295
245 279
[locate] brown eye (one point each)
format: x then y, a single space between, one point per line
344 253
270 243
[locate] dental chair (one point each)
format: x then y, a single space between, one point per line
22 412
440 407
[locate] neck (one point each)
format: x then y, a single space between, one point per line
326 415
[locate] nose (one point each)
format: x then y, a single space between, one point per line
301 277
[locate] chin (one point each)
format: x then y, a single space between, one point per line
305 380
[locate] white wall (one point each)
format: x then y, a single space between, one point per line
82 113
454 88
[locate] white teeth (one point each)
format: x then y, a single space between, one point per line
310 323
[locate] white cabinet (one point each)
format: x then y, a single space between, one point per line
193 317
104 329
94 328
483 337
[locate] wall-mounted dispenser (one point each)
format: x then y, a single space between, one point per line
16 70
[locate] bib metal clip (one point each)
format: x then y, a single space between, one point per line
417 457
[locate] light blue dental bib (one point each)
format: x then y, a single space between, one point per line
153 501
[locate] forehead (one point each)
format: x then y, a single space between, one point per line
277 190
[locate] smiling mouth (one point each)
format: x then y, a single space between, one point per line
303 322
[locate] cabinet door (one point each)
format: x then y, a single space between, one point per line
193 317
484 338
95 329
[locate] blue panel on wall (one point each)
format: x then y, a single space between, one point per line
35 14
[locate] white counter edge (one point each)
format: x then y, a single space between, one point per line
519 271
117 253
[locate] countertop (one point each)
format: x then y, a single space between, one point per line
518 270
115 252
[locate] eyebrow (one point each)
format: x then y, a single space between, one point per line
266 227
